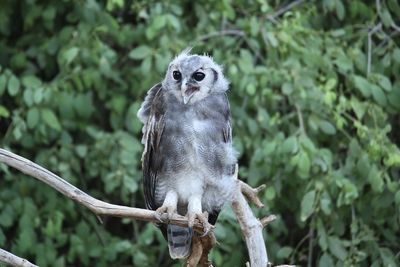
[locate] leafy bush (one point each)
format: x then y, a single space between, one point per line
315 96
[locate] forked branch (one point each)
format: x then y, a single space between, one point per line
250 225
13 260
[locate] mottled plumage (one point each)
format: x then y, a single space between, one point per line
188 159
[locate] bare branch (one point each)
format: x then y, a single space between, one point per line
378 9
370 33
251 193
301 121
202 246
267 220
251 228
13 260
221 33
98 207
249 224
310 243
283 10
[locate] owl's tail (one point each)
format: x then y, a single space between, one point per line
179 241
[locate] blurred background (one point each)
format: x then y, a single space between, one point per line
315 98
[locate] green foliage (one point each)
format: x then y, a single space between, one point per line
315 114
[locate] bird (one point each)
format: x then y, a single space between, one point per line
188 159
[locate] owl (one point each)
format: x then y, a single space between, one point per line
188 160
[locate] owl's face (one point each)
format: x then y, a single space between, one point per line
193 77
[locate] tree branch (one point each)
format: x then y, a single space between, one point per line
369 57
13 260
249 224
98 207
285 9
221 33
251 227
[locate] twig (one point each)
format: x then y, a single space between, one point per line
284 9
299 245
251 228
301 121
13 260
202 246
310 243
267 220
370 33
250 225
251 193
98 207
221 33
378 9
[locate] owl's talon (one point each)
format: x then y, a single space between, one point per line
203 218
170 211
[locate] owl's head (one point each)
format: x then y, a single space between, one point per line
193 77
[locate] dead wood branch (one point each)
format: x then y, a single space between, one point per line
250 225
98 207
13 260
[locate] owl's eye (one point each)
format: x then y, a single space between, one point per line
198 76
177 75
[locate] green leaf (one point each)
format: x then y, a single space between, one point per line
331 84
396 54
376 180
270 193
140 52
81 150
38 95
284 252
388 257
327 127
322 236
4 112
7 217
362 85
304 165
28 96
287 88
397 198
13 86
2 238
70 54
385 83
290 145
31 81
50 119
340 11
3 83
251 89
307 205
394 98
336 248
378 95
159 22
272 39
326 261
358 107
32 117
386 18
326 204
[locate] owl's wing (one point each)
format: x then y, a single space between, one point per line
227 129
227 138
152 114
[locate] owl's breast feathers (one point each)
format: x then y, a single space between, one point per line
179 137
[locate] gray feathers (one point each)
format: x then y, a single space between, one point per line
188 141
179 241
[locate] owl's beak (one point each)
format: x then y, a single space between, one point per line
187 91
